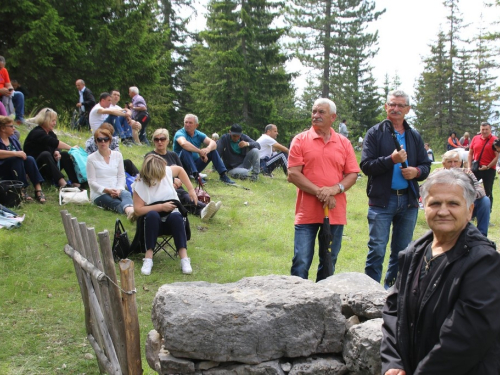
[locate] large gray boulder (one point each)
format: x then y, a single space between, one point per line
254 320
362 348
360 294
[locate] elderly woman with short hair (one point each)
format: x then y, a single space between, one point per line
43 145
441 316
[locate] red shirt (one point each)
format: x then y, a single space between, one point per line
476 147
4 77
324 164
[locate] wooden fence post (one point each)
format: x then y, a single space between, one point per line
131 318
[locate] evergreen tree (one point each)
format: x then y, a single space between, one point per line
485 89
239 69
431 98
331 38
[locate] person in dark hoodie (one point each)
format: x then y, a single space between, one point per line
441 316
240 154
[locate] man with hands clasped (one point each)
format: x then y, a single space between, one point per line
313 152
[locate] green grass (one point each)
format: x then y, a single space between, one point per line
41 314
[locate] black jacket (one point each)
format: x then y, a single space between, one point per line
377 164
88 100
457 326
229 157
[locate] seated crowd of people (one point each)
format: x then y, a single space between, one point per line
162 193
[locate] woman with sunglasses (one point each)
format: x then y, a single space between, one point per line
15 164
43 145
106 176
161 141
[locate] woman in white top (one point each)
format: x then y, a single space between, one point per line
106 176
155 198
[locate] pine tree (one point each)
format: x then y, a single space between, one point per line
331 38
239 70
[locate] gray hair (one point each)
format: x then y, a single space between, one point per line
268 127
450 155
193 116
399 94
331 104
134 89
2 59
453 177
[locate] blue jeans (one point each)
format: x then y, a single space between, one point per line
482 214
18 101
403 219
192 165
15 168
303 250
115 204
122 128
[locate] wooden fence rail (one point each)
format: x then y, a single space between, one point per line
111 320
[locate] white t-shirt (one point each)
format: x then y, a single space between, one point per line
266 145
102 175
163 190
96 119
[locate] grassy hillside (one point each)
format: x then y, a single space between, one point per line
41 314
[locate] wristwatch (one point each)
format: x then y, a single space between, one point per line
341 187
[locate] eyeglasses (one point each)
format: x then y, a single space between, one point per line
102 139
394 105
9 126
159 139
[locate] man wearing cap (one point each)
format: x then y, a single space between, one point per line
240 154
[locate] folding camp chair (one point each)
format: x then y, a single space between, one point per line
163 243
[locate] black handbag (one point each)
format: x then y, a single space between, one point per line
121 244
10 193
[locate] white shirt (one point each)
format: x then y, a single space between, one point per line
266 145
102 175
163 190
96 119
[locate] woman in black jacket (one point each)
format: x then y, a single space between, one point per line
441 316
42 144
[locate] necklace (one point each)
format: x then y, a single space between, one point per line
429 261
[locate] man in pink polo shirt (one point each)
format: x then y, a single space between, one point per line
323 166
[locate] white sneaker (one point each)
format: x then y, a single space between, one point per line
217 207
202 175
208 211
186 266
147 265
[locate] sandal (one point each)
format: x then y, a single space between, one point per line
40 196
25 195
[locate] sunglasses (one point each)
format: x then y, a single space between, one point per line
102 139
159 139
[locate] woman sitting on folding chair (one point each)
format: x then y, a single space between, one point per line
156 199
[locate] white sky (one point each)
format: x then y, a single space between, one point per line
406 30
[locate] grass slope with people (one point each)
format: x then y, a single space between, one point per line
41 314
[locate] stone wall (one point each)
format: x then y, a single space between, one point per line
268 325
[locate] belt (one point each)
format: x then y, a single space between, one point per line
399 192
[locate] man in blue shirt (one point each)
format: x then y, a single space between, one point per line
194 158
392 190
